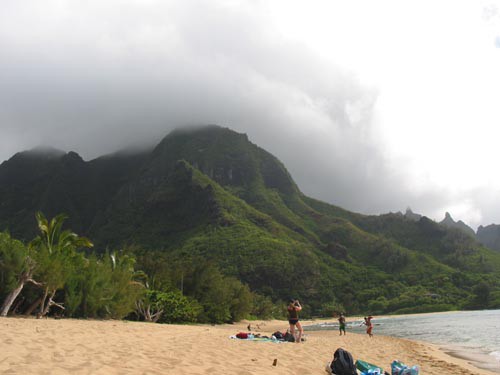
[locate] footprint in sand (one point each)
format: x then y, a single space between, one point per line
301 371
57 356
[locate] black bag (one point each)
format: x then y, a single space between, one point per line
278 335
289 337
342 363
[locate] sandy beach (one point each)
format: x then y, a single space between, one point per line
30 346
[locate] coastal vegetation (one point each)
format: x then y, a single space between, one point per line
54 274
208 227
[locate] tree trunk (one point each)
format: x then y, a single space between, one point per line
19 302
33 306
49 304
26 277
142 310
145 311
42 304
157 316
11 297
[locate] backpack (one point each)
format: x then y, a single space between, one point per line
289 337
342 363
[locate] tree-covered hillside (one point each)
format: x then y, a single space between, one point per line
210 195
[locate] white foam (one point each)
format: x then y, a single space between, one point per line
496 355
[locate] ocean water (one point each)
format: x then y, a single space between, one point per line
472 335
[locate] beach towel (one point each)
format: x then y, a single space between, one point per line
367 368
257 339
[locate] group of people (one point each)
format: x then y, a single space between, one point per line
369 325
293 319
367 322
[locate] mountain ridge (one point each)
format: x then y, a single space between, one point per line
211 193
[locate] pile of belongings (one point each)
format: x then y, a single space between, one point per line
343 364
287 336
276 336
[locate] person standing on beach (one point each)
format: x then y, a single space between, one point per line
342 324
293 319
369 325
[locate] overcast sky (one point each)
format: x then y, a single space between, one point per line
372 105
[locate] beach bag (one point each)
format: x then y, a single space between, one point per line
367 368
242 335
342 363
278 335
289 337
399 368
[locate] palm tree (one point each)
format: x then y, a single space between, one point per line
54 239
55 248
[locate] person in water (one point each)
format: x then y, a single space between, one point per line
342 324
369 325
293 319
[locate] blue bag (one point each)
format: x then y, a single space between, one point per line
399 368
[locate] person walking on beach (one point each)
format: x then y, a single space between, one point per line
342 324
293 319
369 325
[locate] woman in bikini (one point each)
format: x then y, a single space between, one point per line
369 325
293 319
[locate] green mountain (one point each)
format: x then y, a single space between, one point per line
209 193
489 236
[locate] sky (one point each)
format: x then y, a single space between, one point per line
372 106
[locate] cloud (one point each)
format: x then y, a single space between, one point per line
84 69
490 12
97 76
497 41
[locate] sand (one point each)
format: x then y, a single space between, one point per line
66 346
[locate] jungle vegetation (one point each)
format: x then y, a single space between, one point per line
209 227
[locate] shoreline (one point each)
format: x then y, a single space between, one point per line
477 357
66 346
474 356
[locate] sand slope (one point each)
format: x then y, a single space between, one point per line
30 346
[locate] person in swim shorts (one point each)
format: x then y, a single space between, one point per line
342 324
293 319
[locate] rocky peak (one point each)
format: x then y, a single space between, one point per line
450 223
410 215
